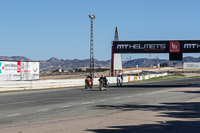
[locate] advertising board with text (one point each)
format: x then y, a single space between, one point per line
16 70
10 70
30 70
182 46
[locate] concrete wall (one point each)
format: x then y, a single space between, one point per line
61 83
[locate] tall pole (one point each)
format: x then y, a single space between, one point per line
112 62
149 60
129 61
92 47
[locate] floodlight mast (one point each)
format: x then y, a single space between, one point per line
92 47
92 16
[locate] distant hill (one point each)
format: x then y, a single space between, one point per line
16 58
145 62
54 63
191 59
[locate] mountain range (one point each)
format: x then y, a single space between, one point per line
55 63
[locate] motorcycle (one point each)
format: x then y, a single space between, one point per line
102 85
119 81
88 83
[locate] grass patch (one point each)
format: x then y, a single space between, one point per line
168 77
194 77
171 77
177 74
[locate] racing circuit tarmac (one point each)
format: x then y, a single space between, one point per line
165 106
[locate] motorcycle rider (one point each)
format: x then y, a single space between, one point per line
89 78
120 78
105 80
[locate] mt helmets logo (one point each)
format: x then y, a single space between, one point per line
174 47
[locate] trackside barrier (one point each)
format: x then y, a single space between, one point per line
48 84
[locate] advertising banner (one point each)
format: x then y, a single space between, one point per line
16 70
30 70
9 67
141 46
190 46
174 47
191 65
10 70
182 46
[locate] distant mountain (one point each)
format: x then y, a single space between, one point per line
145 62
55 63
16 58
191 59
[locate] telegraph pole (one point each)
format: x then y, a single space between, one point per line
92 47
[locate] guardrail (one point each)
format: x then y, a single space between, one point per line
61 83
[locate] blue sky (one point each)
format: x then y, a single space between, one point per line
41 29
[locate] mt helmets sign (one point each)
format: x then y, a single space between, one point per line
140 47
192 46
175 48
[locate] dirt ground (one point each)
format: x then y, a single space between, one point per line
107 73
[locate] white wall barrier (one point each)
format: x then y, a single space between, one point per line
47 84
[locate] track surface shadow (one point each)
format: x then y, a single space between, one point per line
170 127
173 110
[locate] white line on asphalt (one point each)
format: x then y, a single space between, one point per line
156 92
141 94
87 103
102 100
66 106
41 110
129 96
14 115
117 98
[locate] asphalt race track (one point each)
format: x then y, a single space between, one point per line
27 107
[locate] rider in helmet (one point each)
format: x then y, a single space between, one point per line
89 78
104 79
120 76
119 79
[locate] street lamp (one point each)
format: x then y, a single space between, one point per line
91 47
92 16
149 60
157 61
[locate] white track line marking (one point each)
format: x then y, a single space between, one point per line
117 98
14 115
42 110
102 100
87 103
66 106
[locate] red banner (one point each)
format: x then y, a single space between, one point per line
18 67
